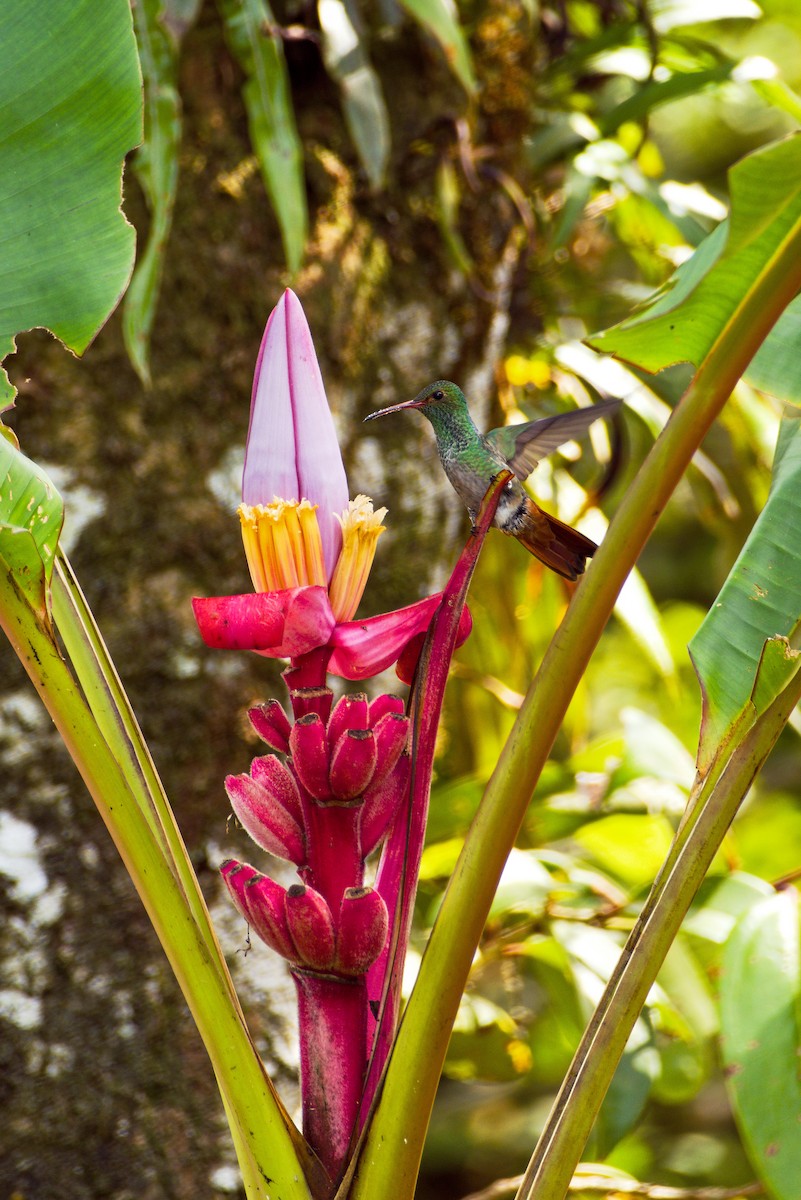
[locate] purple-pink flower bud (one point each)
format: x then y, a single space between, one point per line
267 822
272 725
362 931
383 704
391 735
353 763
278 780
311 926
350 712
381 804
309 748
261 902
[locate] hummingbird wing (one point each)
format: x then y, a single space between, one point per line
522 446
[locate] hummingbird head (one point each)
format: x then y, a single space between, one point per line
440 396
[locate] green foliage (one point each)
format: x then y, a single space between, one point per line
363 101
68 250
741 652
441 20
31 516
255 42
156 167
683 322
760 992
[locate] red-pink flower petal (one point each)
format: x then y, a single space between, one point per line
292 450
279 624
350 712
365 648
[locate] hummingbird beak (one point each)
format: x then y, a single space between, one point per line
383 412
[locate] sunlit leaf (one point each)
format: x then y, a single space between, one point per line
651 749
775 366
255 40
670 14
760 991
631 848
441 20
558 1017
31 516
718 906
653 94
635 608
525 885
777 93
484 1043
156 166
595 953
70 110
767 835
685 982
685 317
760 600
363 103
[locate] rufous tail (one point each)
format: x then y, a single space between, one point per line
559 546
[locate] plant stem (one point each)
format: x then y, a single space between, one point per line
332 1016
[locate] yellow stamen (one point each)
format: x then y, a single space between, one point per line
312 543
361 529
282 545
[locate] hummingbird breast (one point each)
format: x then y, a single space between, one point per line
471 478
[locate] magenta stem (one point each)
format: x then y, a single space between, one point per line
335 861
332 1014
398 870
306 681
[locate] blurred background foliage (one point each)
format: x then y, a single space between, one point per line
468 191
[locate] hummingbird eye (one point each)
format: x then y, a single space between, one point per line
438 394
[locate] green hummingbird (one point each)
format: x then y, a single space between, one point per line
471 459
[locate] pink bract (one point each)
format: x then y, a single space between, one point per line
292 449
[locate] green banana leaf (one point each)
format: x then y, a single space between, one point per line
70 110
741 652
683 320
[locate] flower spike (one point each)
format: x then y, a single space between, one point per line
292 449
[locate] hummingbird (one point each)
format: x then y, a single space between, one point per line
471 460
